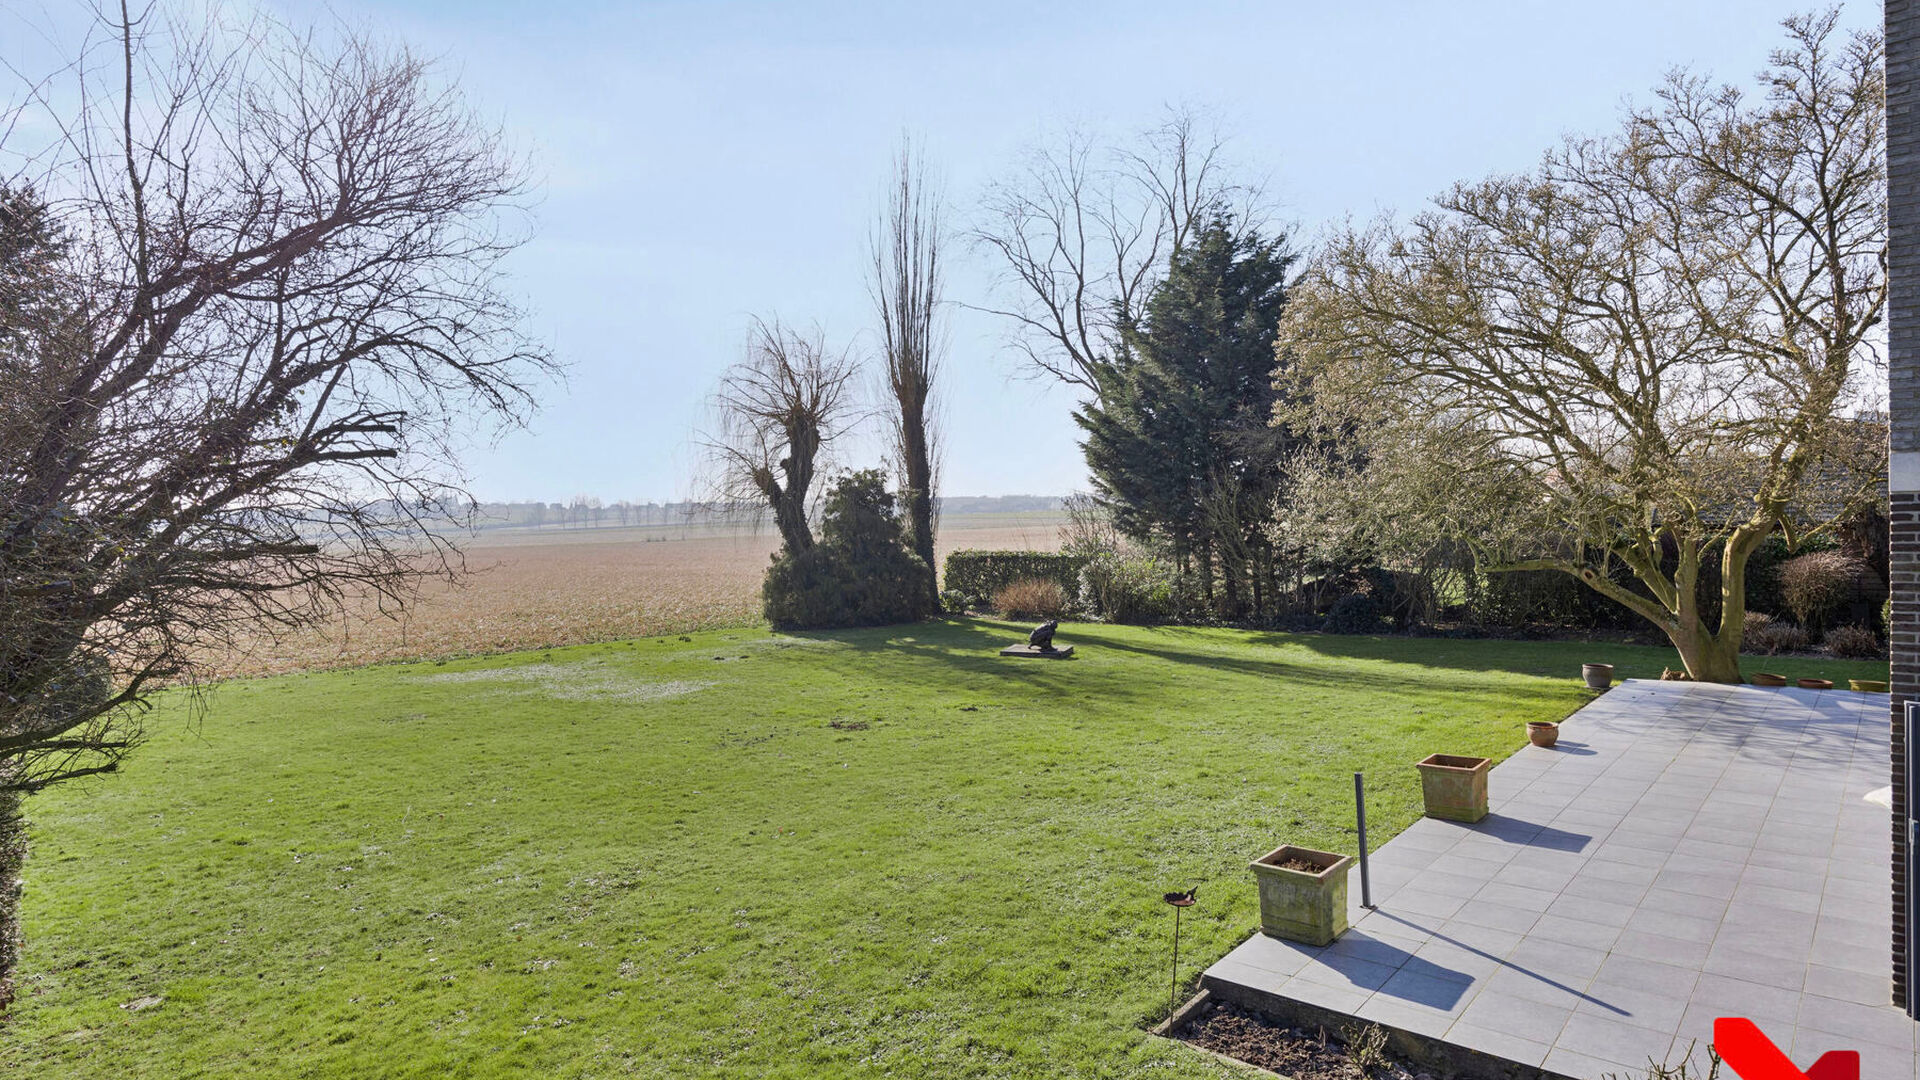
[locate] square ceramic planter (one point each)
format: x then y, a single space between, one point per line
1308 906
1455 788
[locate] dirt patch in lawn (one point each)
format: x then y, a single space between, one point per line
1358 1053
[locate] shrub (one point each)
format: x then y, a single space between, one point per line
1031 598
1128 588
1775 636
859 574
1763 572
1853 643
979 575
1355 613
1754 622
1819 583
1402 598
1517 598
953 601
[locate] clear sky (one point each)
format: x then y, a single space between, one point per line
702 162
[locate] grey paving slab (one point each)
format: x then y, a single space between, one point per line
1688 852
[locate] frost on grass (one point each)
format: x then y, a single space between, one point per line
588 680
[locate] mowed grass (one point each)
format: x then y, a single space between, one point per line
731 854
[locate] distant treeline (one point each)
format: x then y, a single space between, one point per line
997 504
587 511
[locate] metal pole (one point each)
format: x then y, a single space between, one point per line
1360 814
1173 988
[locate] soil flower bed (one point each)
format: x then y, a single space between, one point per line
1300 1053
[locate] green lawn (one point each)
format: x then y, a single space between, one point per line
662 858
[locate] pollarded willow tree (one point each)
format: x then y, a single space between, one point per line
250 307
1655 349
776 413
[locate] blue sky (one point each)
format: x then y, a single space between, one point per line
704 162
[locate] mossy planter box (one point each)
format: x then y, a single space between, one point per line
1310 908
1455 788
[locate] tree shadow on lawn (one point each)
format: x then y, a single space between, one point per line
1542 659
972 646
965 659
1550 658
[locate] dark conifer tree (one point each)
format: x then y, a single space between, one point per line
1178 443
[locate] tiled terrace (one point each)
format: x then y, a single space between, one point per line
1687 851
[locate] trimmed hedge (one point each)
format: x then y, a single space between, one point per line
978 575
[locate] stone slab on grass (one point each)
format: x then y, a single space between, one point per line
1034 652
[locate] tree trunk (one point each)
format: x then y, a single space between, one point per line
13 857
1204 562
918 466
1231 569
1707 657
791 517
789 502
1257 573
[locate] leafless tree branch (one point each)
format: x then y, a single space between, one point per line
776 411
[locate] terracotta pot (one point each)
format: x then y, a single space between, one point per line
1543 733
1768 678
1867 686
1598 676
1816 684
1308 907
1455 788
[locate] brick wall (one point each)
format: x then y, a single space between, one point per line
1903 354
1903 634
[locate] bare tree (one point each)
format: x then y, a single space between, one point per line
266 309
906 282
776 411
1083 233
1654 349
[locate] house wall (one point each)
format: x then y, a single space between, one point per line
1903 354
